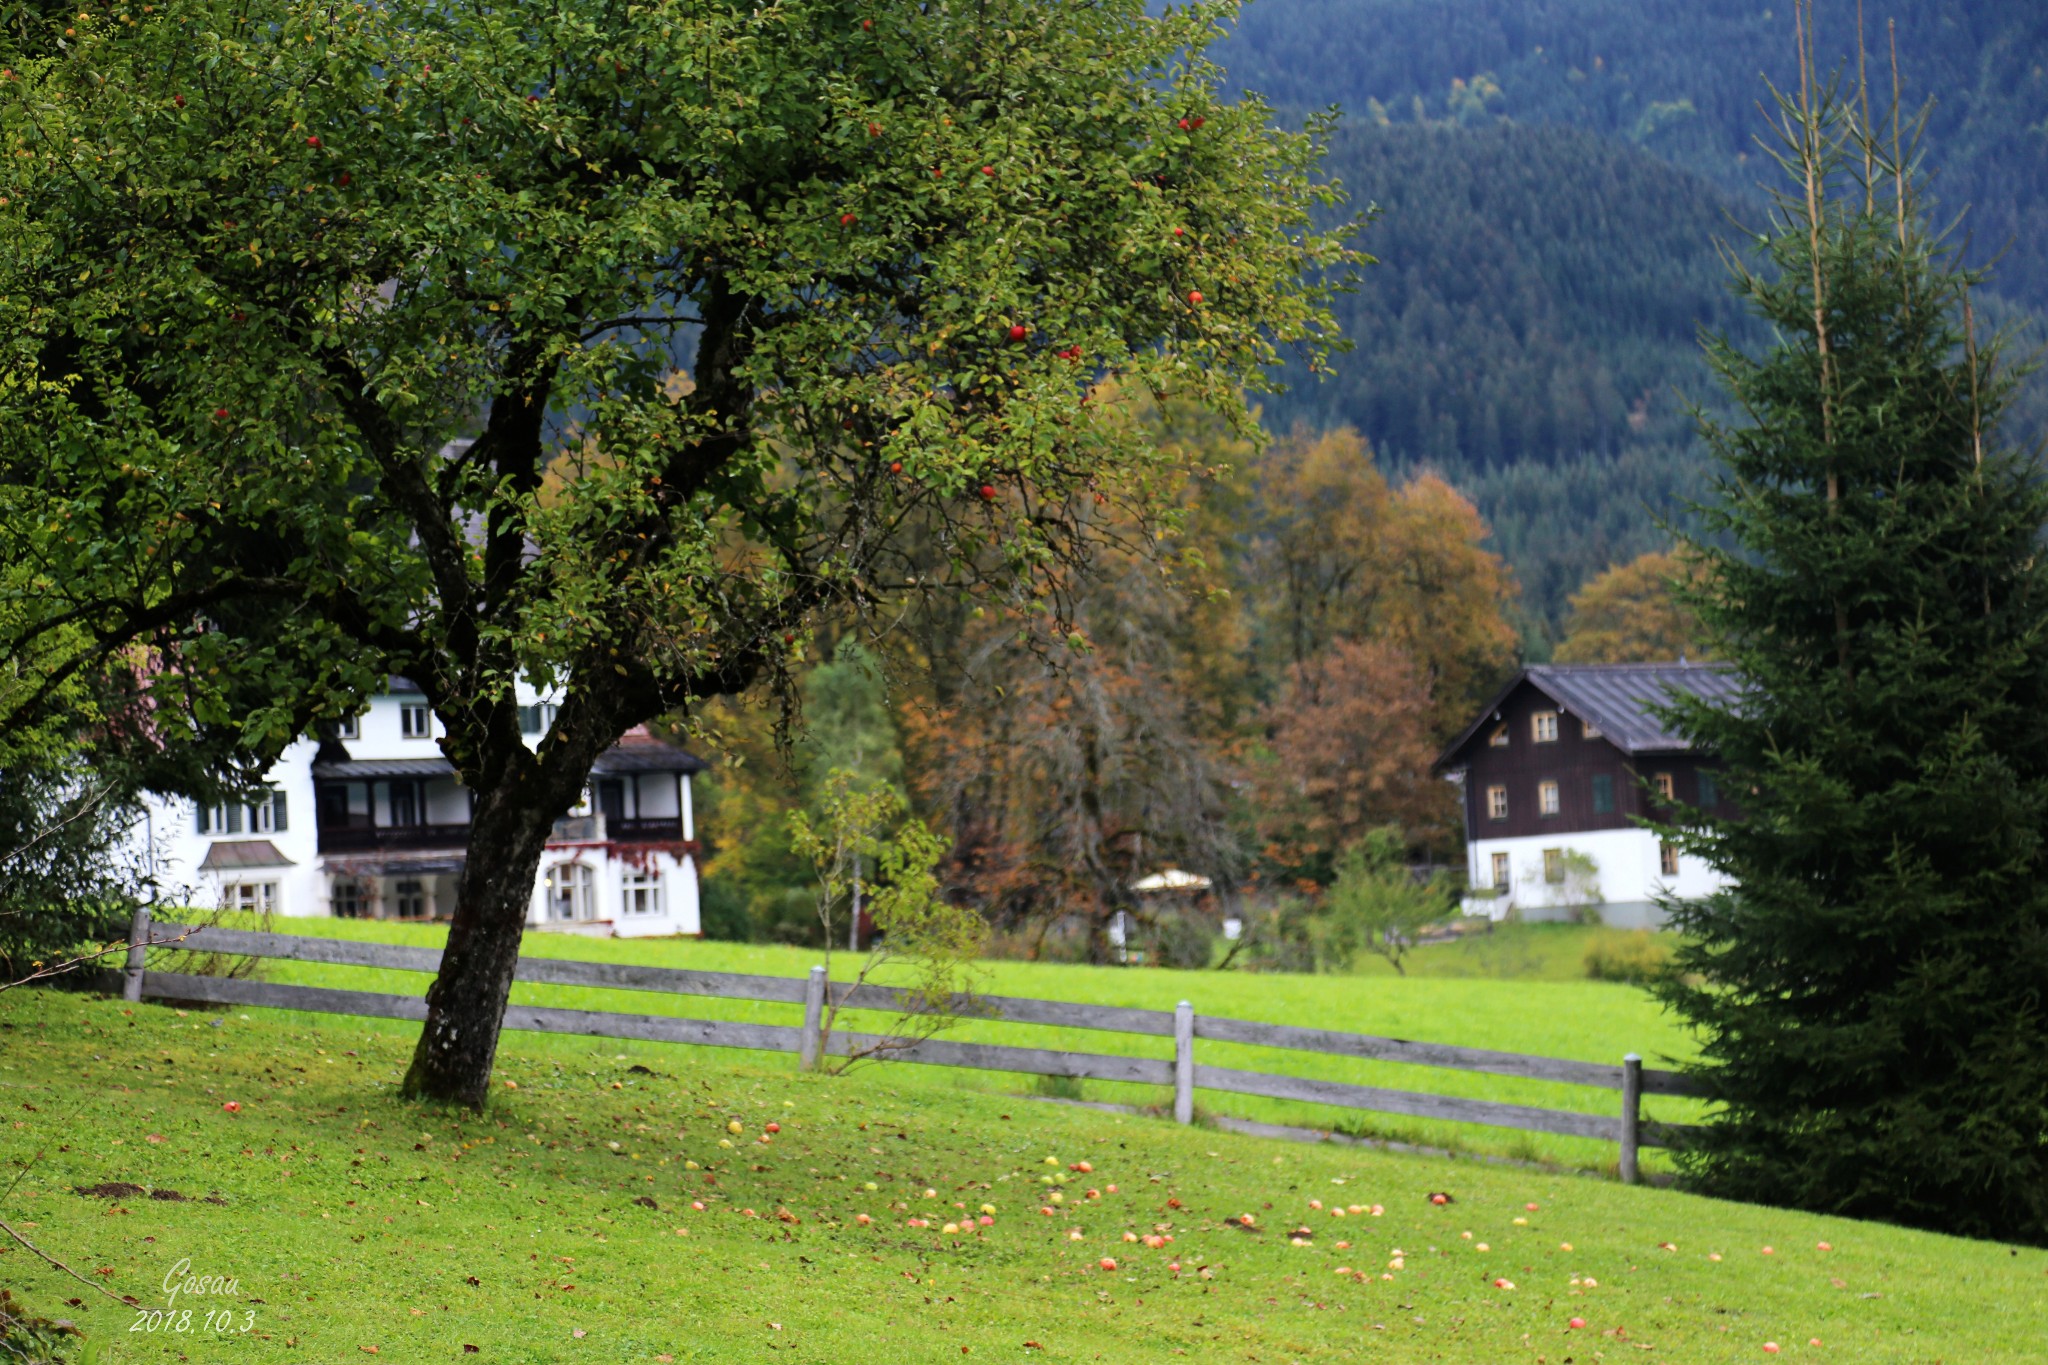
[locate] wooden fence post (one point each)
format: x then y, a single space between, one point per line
1184 1063
811 1046
138 935
1631 1115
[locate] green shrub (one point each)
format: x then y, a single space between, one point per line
722 910
1179 941
1638 957
36 1340
1057 1087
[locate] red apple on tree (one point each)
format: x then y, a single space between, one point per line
1018 331
1194 296
988 492
313 141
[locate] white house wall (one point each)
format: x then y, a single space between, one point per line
1629 879
169 829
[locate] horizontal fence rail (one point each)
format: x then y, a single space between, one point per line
1629 1129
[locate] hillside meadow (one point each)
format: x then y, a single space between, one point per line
621 1204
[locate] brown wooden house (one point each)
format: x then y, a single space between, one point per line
1557 774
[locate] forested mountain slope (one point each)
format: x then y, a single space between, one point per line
1532 331
1553 178
1682 79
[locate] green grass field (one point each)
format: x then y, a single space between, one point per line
1453 995
561 1225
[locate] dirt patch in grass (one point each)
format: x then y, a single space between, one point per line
121 1189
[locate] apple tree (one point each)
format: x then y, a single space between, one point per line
605 345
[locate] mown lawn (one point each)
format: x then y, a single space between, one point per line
561 1224
1454 994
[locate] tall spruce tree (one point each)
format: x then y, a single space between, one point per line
1872 990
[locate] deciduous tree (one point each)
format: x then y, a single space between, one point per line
346 342
1634 613
1351 753
1341 554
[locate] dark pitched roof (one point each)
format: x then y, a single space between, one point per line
377 769
226 856
1617 698
639 752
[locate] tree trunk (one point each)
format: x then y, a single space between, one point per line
466 1003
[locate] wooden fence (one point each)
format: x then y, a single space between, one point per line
1184 1026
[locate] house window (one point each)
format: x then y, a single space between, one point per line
258 897
1543 727
1499 738
1664 786
348 727
1603 793
1502 877
407 807
1546 798
537 719
1710 796
1588 730
267 816
572 894
222 819
348 899
1553 865
409 898
1667 859
1496 803
643 893
413 722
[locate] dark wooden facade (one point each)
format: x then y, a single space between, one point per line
1572 761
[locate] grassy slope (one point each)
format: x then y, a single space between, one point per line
353 1221
1453 997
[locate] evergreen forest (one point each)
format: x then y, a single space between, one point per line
1555 180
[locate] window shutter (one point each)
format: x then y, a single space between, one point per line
277 809
233 823
203 823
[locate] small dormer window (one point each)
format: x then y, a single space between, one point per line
413 722
1499 738
348 727
1665 787
1543 727
1588 730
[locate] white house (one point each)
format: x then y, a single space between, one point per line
1558 771
370 823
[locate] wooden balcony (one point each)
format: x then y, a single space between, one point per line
572 829
355 838
666 829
